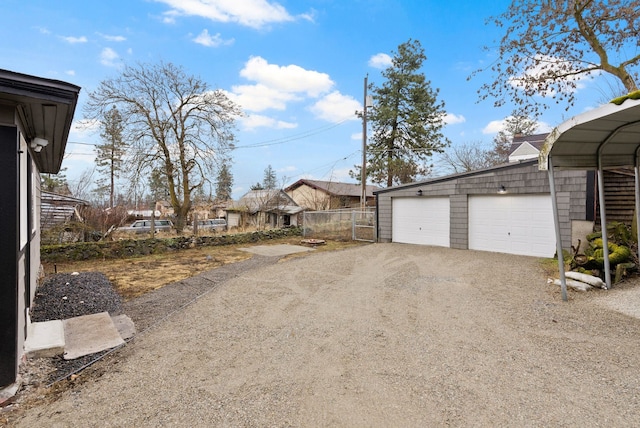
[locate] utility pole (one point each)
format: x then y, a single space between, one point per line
363 169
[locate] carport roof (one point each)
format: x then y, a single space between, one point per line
613 129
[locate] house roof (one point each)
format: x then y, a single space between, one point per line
612 130
46 109
536 140
256 200
334 188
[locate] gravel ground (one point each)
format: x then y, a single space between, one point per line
380 335
65 295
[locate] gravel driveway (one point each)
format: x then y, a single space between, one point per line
380 335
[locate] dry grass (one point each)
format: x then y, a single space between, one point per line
133 277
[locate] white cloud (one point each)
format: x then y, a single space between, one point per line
275 85
544 127
206 39
70 72
254 121
289 78
380 60
260 97
73 40
357 136
43 30
336 107
250 13
494 127
109 57
452 119
110 38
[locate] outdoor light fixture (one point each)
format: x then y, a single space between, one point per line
502 190
419 192
38 143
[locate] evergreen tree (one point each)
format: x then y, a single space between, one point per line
270 180
406 118
55 183
158 187
111 152
224 182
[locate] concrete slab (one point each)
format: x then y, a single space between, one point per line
89 334
8 393
44 339
125 326
276 250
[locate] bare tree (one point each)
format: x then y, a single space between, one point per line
465 157
549 46
172 119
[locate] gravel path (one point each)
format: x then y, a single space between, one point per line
380 335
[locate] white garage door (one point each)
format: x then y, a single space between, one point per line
421 221
514 224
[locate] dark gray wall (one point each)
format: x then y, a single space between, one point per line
520 178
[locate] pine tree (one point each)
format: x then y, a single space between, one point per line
406 118
270 180
111 152
224 183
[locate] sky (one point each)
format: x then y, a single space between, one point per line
296 68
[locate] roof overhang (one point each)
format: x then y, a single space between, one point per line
611 131
46 108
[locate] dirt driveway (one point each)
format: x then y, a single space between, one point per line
380 335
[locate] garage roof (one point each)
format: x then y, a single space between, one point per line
613 129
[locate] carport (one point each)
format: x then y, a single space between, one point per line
606 137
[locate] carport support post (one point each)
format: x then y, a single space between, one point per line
637 180
556 222
603 223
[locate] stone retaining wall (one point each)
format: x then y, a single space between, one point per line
143 247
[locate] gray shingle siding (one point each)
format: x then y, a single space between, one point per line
522 178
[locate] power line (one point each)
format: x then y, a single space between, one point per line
293 137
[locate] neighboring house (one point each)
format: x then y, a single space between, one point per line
318 195
505 209
264 208
525 147
35 118
58 209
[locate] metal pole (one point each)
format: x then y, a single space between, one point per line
363 168
637 179
603 222
556 222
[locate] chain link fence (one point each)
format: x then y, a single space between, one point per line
346 224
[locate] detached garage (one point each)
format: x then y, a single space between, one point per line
503 209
